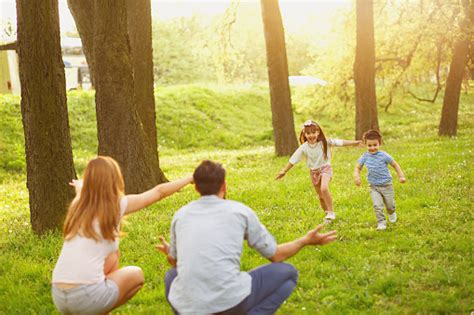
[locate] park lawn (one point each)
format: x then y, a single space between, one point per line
421 264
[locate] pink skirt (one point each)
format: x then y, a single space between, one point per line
317 173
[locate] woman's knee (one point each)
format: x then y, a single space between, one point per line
135 275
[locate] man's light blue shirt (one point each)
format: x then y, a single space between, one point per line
207 239
377 167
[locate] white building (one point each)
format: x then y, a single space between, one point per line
75 67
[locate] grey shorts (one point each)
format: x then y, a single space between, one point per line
95 298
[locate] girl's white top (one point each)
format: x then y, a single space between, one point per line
314 153
82 259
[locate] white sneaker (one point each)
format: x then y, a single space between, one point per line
330 216
381 226
392 217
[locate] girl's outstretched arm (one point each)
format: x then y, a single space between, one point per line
284 171
140 201
353 143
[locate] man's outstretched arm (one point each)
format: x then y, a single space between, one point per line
313 237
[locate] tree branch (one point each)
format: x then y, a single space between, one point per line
9 46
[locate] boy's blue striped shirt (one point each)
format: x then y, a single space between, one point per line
377 168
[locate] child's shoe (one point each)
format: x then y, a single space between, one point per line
392 217
381 226
330 216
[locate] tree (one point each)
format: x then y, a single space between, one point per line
364 69
49 162
120 131
139 32
83 14
277 64
449 115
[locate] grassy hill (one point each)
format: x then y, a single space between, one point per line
422 264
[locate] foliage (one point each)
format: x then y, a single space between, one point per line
419 265
181 52
229 48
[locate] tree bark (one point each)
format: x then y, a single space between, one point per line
120 131
49 161
277 64
139 32
449 114
364 70
84 17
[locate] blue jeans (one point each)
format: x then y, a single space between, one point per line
272 284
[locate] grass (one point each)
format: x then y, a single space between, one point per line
422 264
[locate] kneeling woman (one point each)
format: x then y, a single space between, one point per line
87 278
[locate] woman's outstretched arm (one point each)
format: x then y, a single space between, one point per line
139 201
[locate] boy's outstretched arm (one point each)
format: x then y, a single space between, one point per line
398 169
357 170
284 171
313 237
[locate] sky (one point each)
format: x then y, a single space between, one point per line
294 12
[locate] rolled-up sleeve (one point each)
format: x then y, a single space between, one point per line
258 237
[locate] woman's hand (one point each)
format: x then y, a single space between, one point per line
77 184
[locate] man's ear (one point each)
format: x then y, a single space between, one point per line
224 187
196 188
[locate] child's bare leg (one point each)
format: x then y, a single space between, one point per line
325 194
321 199
111 262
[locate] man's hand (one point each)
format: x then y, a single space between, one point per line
280 175
313 237
164 247
357 181
402 180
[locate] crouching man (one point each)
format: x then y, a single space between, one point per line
205 249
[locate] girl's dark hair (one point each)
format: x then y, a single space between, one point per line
209 177
372 135
321 137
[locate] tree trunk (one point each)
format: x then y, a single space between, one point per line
449 115
84 17
120 131
364 70
277 64
139 32
49 162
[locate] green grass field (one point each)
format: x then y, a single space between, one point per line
422 264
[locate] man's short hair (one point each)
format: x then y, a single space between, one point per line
372 135
209 177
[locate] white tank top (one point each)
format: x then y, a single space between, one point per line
82 259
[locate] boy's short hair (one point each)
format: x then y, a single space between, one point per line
372 135
209 177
